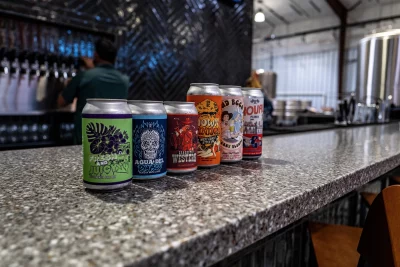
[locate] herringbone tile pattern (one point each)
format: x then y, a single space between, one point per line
174 43
164 44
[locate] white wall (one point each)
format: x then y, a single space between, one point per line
304 65
310 74
350 70
312 70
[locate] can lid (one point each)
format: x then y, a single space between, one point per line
229 86
106 99
250 88
143 101
178 102
231 90
203 84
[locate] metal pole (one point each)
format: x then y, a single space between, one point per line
341 11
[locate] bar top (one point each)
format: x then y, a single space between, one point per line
48 219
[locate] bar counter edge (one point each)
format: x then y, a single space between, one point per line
199 219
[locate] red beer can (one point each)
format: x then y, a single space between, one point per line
182 136
253 122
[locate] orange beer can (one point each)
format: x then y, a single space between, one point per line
208 99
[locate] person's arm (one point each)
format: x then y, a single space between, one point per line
61 101
70 92
67 96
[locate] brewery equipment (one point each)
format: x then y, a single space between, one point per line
292 110
268 82
279 111
286 112
379 74
305 105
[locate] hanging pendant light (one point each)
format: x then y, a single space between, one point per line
259 17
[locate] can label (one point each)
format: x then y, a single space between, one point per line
149 155
232 128
107 149
253 126
209 109
182 146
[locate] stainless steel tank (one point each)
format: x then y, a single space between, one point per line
292 110
268 81
379 68
305 105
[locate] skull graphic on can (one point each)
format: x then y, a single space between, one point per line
150 142
149 125
149 146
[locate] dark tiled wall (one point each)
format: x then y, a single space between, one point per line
34 36
165 44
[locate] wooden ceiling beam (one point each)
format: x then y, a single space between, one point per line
339 9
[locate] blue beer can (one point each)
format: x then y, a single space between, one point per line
149 128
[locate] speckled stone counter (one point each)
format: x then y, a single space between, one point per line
48 219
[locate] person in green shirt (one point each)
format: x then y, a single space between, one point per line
100 80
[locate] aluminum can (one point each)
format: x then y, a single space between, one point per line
231 123
253 122
182 138
107 144
149 125
207 98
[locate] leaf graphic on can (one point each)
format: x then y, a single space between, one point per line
106 140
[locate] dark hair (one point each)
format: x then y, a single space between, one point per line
230 115
106 50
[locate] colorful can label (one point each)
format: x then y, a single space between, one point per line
209 109
253 126
149 154
107 148
232 129
183 140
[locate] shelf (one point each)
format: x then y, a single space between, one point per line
27 145
33 112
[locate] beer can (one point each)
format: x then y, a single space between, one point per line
107 144
149 125
182 136
231 123
253 122
207 98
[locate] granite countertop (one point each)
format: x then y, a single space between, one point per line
48 219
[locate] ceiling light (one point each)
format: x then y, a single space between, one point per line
259 17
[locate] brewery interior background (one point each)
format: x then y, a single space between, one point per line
165 45
300 42
302 51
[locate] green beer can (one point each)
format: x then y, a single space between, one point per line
107 144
